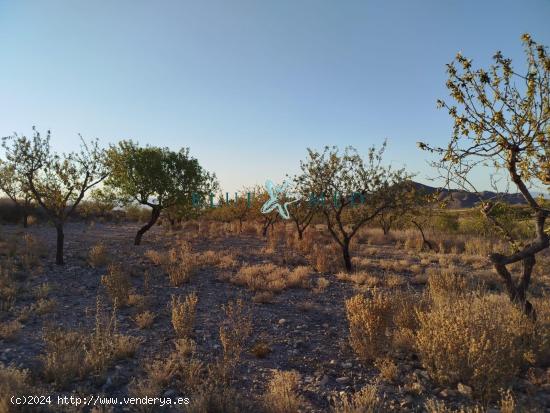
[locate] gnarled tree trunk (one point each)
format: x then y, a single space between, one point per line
155 214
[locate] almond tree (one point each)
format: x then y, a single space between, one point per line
57 182
304 209
351 191
155 177
14 186
502 120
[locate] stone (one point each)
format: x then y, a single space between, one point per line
324 380
447 393
347 365
281 321
170 393
343 380
465 390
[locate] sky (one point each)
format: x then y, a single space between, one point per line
249 85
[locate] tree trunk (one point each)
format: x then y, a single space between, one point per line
300 234
155 214
347 256
517 292
425 241
60 240
25 220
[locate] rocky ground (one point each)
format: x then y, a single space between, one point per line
305 330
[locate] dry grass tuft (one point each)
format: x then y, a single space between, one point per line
72 354
235 329
98 256
64 359
270 277
42 290
365 400
10 330
183 314
387 367
45 306
326 258
263 297
13 383
322 285
145 320
282 393
117 284
261 349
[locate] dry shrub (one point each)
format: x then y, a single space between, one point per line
33 249
413 242
181 368
143 387
369 323
478 246
481 341
507 403
437 406
360 278
65 358
447 285
234 330
263 297
145 320
214 396
387 367
299 277
8 285
10 330
136 300
42 290
98 256
105 344
218 259
326 258
270 277
13 383
72 354
542 330
155 257
282 393
365 400
188 368
377 237
384 319
117 284
322 285
178 265
395 280
160 372
45 306
183 314
261 349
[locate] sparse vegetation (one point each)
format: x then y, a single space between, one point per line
183 314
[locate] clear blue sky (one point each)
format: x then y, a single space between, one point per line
248 85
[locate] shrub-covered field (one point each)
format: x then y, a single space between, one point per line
240 322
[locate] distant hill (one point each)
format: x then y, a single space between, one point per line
458 199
